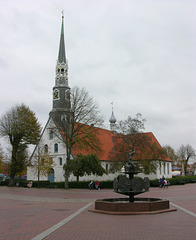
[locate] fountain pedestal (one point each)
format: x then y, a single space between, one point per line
131 186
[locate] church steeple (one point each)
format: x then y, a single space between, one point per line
62 56
61 90
61 66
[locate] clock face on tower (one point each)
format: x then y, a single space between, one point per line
55 94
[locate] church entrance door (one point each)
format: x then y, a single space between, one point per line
51 175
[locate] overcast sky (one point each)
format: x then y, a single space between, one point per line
139 54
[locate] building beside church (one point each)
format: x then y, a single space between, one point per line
55 147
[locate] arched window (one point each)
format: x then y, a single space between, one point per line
167 168
106 167
60 161
56 147
51 135
46 148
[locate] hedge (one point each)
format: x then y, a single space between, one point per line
179 180
103 184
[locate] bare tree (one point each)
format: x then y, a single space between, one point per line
2 164
185 154
131 136
170 153
20 126
78 128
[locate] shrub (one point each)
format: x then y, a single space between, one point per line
42 184
178 180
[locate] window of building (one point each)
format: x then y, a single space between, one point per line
160 166
51 135
168 168
56 147
46 148
106 167
60 161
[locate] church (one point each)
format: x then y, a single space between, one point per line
55 146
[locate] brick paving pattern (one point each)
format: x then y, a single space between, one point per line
27 213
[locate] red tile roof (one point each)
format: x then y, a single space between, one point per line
109 146
108 141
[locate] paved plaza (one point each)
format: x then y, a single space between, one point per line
54 214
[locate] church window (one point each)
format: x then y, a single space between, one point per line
60 161
56 147
62 70
106 167
160 166
51 135
58 70
45 148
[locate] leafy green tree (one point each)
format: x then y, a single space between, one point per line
22 157
21 127
89 164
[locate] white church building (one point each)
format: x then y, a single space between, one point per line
55 146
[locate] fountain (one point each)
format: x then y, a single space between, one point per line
131 186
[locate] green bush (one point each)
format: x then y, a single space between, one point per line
106 184
42 184
178 180
154 183
76 184
84 185
4 183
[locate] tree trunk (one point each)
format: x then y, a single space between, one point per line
183 174
66 181
67 167
11 182
13 167
38 178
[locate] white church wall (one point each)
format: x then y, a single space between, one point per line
56 155
163 168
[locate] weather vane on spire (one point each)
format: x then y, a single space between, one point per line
62 13
112 105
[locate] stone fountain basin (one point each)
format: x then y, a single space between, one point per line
139 206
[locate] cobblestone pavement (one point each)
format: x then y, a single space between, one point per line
55 214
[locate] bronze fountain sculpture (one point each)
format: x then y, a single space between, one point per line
131 186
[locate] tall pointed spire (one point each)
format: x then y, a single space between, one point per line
62 66
62 56
61 90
